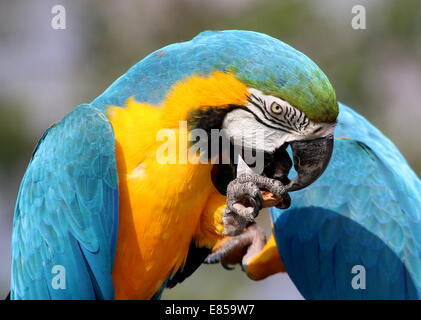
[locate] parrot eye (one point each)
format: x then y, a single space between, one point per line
275 108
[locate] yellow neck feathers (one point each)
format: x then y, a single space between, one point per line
218 90
162 204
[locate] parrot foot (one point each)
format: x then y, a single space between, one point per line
244 200
239 249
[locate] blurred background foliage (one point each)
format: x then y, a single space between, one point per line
44 73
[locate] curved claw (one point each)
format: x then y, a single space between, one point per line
229 250
244 200
227 267
239 249
234 223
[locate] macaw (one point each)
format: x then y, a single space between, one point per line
355 233
100 214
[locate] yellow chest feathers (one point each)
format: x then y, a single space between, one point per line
163 195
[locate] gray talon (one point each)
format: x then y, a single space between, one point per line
244 200
239 249
227 267
272 185
234 223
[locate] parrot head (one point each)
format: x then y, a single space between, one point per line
248 84
291 102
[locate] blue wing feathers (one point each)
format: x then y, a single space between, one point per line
67 211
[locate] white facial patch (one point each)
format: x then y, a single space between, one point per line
243 129
267 122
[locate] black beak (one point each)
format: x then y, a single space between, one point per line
311 158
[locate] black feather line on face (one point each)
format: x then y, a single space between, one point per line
208 118
212 118
222 175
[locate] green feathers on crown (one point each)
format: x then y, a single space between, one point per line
313 95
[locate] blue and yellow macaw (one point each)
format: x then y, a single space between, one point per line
353 234
99 215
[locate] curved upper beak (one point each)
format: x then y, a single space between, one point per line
311 157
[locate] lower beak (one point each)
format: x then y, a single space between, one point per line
311 158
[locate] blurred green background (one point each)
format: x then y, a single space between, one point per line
44 73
